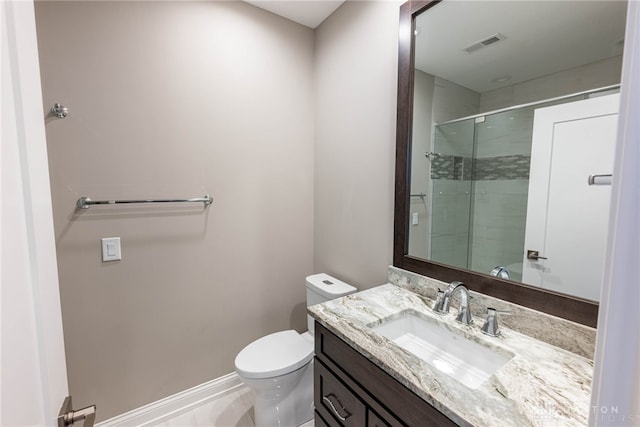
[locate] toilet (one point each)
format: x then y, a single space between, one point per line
279 366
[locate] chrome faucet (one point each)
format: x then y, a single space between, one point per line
443 300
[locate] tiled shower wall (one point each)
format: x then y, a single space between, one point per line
500 209
500 166
480 199
490 179
451 168
502 161
501 185
451 204
437 100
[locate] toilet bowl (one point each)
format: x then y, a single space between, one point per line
279 366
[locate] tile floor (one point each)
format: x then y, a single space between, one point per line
234 409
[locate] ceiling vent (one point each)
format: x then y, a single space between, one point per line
484 43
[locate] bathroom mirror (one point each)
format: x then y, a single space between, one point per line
470 84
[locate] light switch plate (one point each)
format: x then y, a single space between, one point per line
111 249
414 218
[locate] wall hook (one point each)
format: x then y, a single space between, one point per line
60 111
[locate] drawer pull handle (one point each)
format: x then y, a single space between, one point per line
333 408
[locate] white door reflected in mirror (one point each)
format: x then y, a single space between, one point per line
567 219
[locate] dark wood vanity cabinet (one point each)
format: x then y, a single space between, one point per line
350 390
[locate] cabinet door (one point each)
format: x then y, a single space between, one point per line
336 403
374 420
318 421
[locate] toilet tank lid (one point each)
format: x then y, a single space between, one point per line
274 355
328 286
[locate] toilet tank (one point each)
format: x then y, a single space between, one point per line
321 288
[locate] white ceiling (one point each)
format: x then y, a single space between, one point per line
542 37
309 13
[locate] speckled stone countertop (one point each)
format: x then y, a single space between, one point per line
541 385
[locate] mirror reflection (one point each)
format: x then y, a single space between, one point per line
510 117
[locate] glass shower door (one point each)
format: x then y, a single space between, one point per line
451 190
500 187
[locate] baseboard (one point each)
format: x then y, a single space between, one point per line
172 406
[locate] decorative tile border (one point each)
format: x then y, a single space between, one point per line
503 167
444 166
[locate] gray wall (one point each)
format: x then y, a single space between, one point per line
423 88
355 111
585 77
179 99
293 133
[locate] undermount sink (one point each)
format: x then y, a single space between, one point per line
467 361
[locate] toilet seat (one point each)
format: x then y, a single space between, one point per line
274 355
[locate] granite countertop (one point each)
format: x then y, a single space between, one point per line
541 385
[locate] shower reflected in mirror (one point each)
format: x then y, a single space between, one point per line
477 93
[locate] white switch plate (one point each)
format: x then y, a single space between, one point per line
111 249
414 218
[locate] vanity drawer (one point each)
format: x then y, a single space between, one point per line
336 403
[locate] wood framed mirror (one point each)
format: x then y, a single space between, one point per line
556 303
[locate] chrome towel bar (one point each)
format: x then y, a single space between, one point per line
84 202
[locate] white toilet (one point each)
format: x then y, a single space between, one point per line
279 367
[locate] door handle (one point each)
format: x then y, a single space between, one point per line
604 179
68 416
534 255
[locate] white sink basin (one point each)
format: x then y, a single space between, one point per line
467 361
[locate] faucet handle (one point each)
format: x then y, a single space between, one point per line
490 326
439 304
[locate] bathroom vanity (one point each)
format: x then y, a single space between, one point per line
350 390
364 376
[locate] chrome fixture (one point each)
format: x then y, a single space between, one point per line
59 110
443 299
437 306
534 255
85 202
421 195
604 179
585 93
68 416
333 407
490 326
501 272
